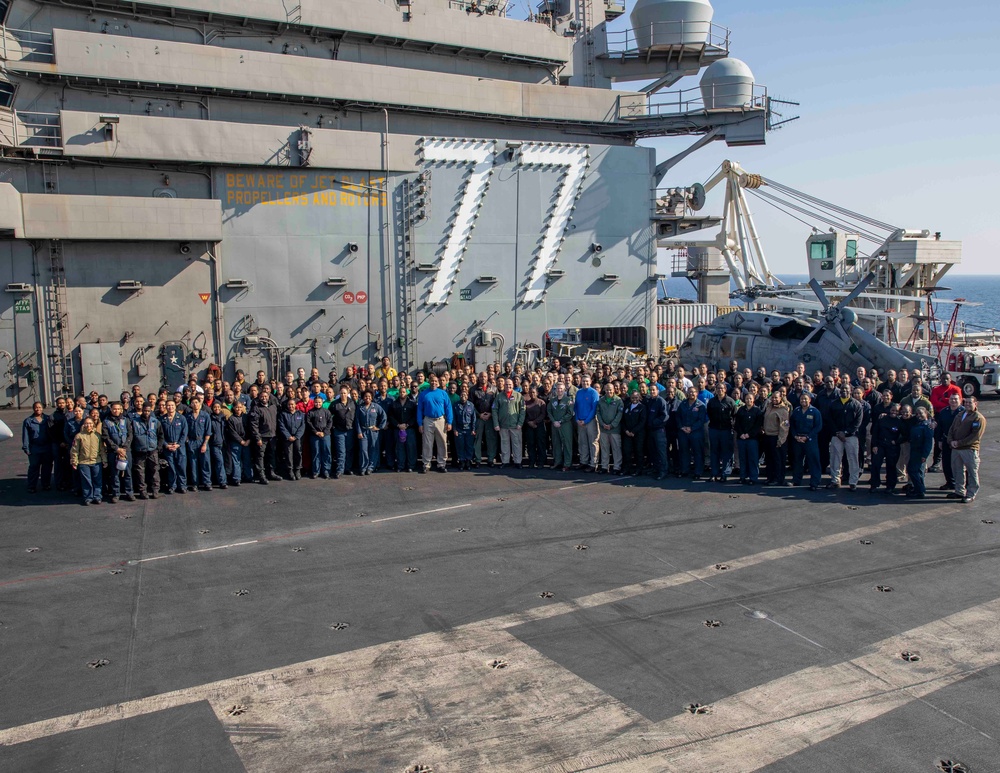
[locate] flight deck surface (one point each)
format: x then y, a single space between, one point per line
515 620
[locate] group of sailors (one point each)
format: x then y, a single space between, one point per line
655 419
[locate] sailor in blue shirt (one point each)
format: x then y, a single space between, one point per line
705 394
217 444
147 437
588 432
435 416
692 417
37 444
291 429
73 423
656 423
175 435
921 446
198 457
116 431
369 421
804 426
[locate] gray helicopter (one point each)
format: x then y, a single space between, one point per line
780 341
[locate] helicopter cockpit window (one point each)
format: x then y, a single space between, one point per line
794 330
726 347
740 348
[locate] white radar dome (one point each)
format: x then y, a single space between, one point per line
727 83
663 24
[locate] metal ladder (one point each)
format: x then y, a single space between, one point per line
585 20
293 15
56 318
56 305
407 286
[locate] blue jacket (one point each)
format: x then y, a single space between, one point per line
465 417
693 416
586 404
887 433
805 422
147 436
117 434
944 418
198 429
433 404
385 402
175 431
656 413
368 416
921 440
291 425
72 428
35 435
218 429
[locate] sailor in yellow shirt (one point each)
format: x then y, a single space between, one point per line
386 370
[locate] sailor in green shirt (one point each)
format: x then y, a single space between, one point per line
640 378
609 417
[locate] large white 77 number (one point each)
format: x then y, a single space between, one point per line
574 160
479 156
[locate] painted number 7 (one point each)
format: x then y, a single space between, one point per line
479 156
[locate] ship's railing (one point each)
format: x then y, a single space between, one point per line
689 35
37 130
480 7
721 96
679 261
27 45
8 128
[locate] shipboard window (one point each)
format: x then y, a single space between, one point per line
7 93
852 252
821 250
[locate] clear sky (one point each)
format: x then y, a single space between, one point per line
900 116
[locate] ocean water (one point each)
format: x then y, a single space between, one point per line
983 289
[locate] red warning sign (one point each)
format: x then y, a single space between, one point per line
348 297
204 297
362 296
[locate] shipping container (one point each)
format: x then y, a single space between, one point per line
675 321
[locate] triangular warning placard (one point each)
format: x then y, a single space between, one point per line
204 297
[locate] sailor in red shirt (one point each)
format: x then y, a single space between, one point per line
939 400
943 391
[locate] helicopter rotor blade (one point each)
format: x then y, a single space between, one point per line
842 332
781 301
861 287
818 289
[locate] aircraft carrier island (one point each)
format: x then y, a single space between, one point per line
272 185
